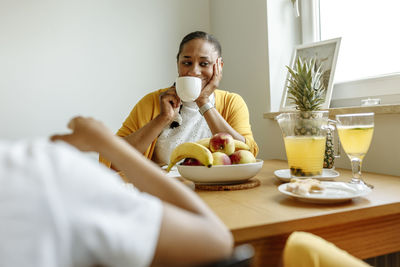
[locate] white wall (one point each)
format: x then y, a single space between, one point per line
89 57
241 27
284 33
255 34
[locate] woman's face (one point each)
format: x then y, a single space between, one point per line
197 59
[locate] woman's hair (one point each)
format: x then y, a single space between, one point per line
200 35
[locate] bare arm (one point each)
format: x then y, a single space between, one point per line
190 233
142 138
218 124
214 120
169 106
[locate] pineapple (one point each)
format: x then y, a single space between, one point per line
305 86
329 158
306 90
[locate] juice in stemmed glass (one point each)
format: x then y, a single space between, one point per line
355 133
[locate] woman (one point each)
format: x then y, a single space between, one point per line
151 128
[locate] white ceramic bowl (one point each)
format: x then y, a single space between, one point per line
221 174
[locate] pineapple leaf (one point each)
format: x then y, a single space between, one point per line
305 87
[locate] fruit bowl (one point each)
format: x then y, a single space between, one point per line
221 174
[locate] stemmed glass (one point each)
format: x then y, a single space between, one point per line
355 133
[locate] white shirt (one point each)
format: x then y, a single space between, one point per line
59 208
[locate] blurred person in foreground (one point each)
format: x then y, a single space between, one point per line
59 208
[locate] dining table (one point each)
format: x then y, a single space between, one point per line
263 217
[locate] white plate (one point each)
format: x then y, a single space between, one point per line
173 173
327 174
221 174
334 192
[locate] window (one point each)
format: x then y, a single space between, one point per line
370 41
369 56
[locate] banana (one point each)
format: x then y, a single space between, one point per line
239 145
191 150
204 142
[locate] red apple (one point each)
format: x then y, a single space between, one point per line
221 159
242 157
222 142
191 162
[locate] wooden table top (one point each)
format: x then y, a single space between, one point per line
264 211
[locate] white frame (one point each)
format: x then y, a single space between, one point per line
313 49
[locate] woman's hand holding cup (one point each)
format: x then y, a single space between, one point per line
169 104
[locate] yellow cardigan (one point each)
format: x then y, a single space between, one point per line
231 106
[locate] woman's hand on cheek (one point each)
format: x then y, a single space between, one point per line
210 87
169 104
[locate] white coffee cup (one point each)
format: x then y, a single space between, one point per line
188 88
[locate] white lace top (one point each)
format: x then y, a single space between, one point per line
192 127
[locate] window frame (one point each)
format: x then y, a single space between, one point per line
349 93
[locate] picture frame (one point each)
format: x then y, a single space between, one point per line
326 53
